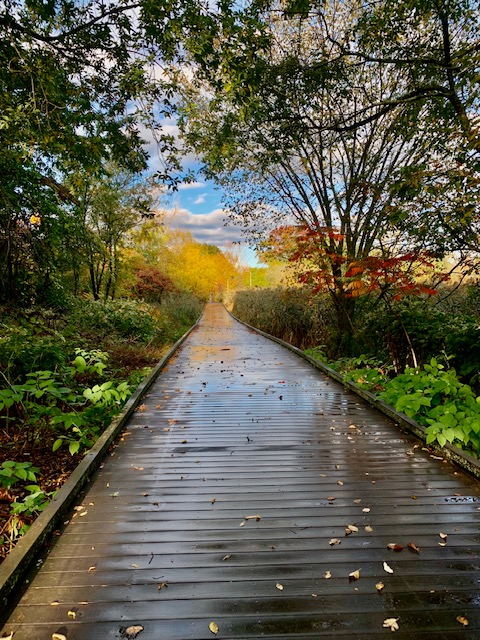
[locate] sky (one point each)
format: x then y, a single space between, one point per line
197 206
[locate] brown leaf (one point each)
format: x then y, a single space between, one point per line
391 623
162 585
213 500
331 498
462 620
355 575
255 517
395 547
413 547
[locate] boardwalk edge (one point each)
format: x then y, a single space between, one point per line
19 560
448 452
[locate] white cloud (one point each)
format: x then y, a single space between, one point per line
201 199
205 227
190 185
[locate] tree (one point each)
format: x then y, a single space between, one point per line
332 191
77 83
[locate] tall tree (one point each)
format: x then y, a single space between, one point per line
281 167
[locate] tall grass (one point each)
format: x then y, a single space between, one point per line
290 314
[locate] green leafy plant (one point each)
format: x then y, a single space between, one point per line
12 472
436 398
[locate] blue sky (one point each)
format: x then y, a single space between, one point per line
197 206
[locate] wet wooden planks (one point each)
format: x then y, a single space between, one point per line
236 427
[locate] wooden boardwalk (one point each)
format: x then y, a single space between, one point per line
237 426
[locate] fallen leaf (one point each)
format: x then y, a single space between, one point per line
328 575
58 636
279 586
72 614
334 541
340 482
358 501
368 529
379 586
331 498
84 513
350 528
387 568
162 585
443 536
413 547
462 620
142 407
355 575
133 631
135 566
242 523
213 500
366 510
55 603
391 623
227 557
91 569
394 546
138 468
352 426
255 517
9 637
442 544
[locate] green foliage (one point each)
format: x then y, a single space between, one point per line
61 402
435 397
115 319
12 472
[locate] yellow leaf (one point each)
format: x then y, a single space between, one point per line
58 636
355 575
391 623
462 620
213 626
379 586
328 574
72 615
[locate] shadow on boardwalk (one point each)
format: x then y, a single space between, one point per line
235 427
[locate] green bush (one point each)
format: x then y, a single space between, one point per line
123 319
436 398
